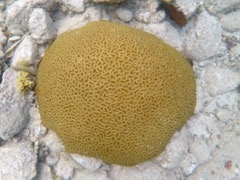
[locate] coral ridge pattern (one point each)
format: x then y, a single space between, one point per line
114 92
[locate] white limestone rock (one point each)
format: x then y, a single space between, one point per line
204 39
235 51
143 16
223 115
69 23
220 7
108 1
145 171
225 159
25 56
200 150
188 164
231 21
198 126
150 5
204 126
44 4
188 8
165 30
18 15
41 26
89 163
74 5
124 14
37 130
78 20
93 13
228 107
14 106
52 142
18 161
64 167
220 80
158 16
149 17
52 159
174 151
85 174
123 173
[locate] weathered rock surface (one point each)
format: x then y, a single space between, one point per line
14 106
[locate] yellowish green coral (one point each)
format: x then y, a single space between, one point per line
24 82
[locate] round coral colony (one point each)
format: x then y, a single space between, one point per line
114 92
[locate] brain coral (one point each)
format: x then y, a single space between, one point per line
114 92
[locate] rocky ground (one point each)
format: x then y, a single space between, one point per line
207 32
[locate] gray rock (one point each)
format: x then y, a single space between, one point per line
204 39
143 16
108 1
45 4
165 30
174 152
231 21
18 161
25 55
64 167
18 15
188 8
149 17
200 150
235 52
2 5
14 106
89 163
124 14
44 172
52 159
41 26
220 80
74 5
188 164
88 175
3 38
220 7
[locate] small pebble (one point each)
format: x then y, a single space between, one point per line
14 38
87 162
124 14
223 115
143 16
52 159
228 165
